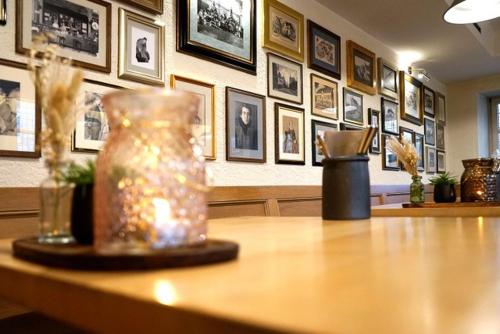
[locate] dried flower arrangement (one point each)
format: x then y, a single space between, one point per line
406 154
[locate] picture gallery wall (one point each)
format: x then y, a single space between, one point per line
270 76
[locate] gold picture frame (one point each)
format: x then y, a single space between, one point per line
142 67
283 34
152 6
387 78
411 106
324 97
358 78
206 133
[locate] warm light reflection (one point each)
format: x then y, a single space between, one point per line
407 58
165 293
163 214
480 227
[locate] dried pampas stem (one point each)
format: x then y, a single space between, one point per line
406 154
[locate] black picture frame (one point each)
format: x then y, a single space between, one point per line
405 79
375 147
274 93
389 115
403 132
427 91
429 168
430 131
440 155
440 137
349 127
315 30
314 129
386 153
420 148
346 93
221 57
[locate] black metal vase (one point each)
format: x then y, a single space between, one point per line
82 227
444 193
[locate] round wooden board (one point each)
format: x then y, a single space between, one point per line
83 257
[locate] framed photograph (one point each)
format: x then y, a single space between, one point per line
353 107
349 127
441 108
289 135
389 159
429 102
441 162
245 126
283 30
361 64
152 6
81 28
141 49
430 131
204 121
430 158
324 97
20 114
411 99
387 78
390 122
374 121
324 50
440 136
92 128
419 146
220 31
319 128
407 134
284 79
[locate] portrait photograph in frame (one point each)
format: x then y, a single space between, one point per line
245 126
324 97
389 159
87 41
152 6
319 128
429 102
283 30
324 50
440 136
430 131
387 78
353 107
92 128
361 68
284 79
419 147
410 90
231 42
20 114
441 108
204 120
441 162
374 121
389 111
289 134
141 49
430 159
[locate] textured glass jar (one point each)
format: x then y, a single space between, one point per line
417 194
478 181
150 190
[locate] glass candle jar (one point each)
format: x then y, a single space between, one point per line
478 181
150 190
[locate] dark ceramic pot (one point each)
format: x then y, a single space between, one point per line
444 193
82 227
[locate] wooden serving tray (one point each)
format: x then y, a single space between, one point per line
451 205
84 257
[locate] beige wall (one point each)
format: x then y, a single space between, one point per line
467 130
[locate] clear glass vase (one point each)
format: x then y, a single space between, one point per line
150 190
55 210
417 194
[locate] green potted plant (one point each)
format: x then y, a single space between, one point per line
444 188
82 209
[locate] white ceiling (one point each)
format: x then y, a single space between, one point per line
450 52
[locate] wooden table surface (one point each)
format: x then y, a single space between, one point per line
383 275
397 210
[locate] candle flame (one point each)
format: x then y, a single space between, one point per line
163 212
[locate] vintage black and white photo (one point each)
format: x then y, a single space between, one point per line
363 68
353 107
387 78
289 135
222 20
411 99
374 121
419 147
390 122
9 103
96 122
245 126
319 129
361 64
284 79
441 161
324 97
430 131
441 108
389 159
430 157
440 136
429 102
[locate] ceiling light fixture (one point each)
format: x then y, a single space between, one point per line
472 11
420 73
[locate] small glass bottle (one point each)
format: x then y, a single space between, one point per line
417 190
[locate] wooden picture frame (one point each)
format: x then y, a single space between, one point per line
419 147
353 107
152 6
20 123
410 90
440 162
204 128
388 78
324 97
245 126
429 102
374 121
361 68
143 67
389 159
236 48
431 160
441 108
283 30
289 135
78 44
390 121
430 131
319 128
324 50
407 134
286 90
